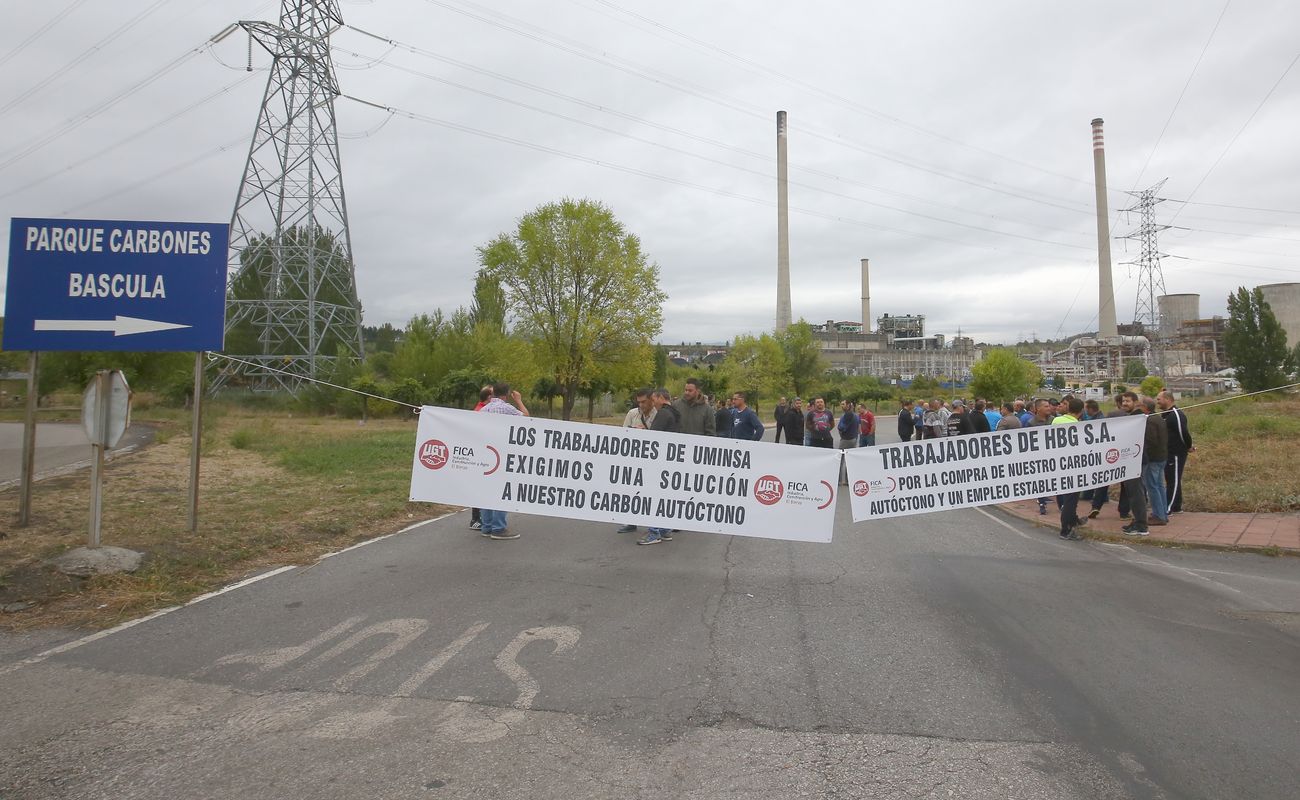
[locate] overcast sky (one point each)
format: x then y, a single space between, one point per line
948 142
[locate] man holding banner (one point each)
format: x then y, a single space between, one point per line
1068 502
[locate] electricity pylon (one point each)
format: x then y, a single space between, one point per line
1151 278
292 302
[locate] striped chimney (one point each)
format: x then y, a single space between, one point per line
1106 322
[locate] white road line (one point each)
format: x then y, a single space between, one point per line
1011 527
94 637
407 529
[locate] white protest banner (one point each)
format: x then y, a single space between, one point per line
624 475
983 468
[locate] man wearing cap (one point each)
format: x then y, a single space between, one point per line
958 421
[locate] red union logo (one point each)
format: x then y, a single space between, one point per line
1112 455
433 454
860 488
768 489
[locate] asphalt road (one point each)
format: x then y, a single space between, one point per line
60 447
948 655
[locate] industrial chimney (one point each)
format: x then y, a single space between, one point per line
866 298
782 229
1106 324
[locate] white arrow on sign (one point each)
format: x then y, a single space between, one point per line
119 325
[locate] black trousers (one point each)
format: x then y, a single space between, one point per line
1069 504
1174 480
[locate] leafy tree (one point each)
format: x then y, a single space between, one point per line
547 389
756 366
579 287
260 277
144 371
1151 385
1255 342
488 306
1058 383
1134 370
803 358
924 386
382 339
1001 375
661 366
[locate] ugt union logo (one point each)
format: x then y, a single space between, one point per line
768 490
433 454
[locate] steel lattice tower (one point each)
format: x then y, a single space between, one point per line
292 303
1151 278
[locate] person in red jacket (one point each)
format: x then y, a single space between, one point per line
866 427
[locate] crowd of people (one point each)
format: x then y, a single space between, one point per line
1145 501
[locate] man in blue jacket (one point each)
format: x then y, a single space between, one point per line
745 423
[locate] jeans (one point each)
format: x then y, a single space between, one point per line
1153 478
493 521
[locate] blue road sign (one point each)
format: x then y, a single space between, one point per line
77 284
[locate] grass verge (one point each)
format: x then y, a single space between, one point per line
1244 452
275 489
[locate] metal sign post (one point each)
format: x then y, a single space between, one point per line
29 443
196 439
105 414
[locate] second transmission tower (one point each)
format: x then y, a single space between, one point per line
1151 278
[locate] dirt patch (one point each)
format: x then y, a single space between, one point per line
254 513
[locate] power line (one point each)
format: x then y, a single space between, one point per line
1178 102
150 128
1241 208
162 173
87 53
550 39
1240 131
757 66
690 154
665 178
58 131
41 31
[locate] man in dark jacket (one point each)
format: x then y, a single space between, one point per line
906 422
1155 451
792 423
979 422
1131 489
1180 444
959 421
694 411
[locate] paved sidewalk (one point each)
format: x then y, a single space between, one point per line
1244 531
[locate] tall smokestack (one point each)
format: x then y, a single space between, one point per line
866 298
1106 325
782 229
